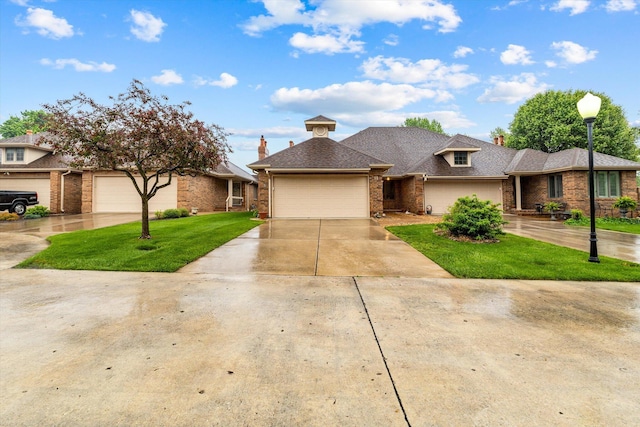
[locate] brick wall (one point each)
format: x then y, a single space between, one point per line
263 194
55 183
87 192
509 194
575 191
73 193
206 193
376 202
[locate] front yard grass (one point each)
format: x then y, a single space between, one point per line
514 257
175 243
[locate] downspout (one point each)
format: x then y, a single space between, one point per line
424 194
62 190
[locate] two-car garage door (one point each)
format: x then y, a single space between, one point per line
320 196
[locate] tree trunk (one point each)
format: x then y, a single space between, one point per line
145 219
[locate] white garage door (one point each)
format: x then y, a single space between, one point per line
40 185
117 194
440 195
320 196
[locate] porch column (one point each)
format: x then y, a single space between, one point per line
229 193
518 194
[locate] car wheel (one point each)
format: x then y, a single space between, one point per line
20 208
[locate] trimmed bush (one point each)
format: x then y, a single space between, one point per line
184 212
473 218
6 216
171 213
31 216
158 214
577 214
39 210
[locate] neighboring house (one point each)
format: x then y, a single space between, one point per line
412 169
27 166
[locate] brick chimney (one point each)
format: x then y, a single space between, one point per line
262 148
290 144
495 140
501 140
29 132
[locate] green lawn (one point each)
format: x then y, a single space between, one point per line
623 225
175 243
514 257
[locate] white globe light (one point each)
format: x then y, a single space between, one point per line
589 106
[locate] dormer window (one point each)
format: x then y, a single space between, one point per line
461 158
14 155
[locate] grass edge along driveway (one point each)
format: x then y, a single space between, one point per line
514 257
174 244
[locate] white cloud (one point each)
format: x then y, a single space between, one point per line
21 2
515 55
462 51
168 77
620 5
225 81
573 53
517 89
576 6
391 40
351 97
145 26
326 43
335 23
46 23
426 72
551 64
78 65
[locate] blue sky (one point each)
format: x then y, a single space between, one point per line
263 67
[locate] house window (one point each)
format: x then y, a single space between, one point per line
555 186
460 158
237 194
14 154
389 190
607 184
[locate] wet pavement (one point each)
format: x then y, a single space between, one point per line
56 224
318 247
89 348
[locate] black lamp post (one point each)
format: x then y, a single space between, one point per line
588 107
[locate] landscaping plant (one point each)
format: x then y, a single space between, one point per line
40 211
625 204
473 218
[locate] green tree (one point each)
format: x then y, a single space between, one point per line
550 122
425 123
140 135
34 120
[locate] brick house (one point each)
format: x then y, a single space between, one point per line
27 166
416 170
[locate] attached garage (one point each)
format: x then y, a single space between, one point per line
41 185
443 194
320 196
117 194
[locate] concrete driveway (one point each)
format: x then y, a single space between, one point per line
318 247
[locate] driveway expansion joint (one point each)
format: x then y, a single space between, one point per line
384 359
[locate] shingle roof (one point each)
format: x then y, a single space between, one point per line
318 153
49 162
412 149
402 146
230 169
532 161
22 140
